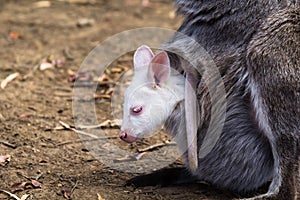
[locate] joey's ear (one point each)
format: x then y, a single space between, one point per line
191 120
159 70
142 57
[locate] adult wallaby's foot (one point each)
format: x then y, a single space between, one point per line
163 177
261 197
286 190
268 197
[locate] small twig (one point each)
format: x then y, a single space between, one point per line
30 73
38 176
62 94
85 140
102 96
67 54
64 89
10 194
9 79
24 176
74 187
84 133
67 126
155 146
90 126
8 144
116 123
129 158
67 193
106 83
69 142
93 83
64 124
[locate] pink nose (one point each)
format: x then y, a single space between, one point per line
127 137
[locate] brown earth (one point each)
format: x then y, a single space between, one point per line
32 105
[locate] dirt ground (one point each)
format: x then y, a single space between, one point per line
33 104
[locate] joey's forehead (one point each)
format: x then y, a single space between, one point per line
138 98
138 91
134 100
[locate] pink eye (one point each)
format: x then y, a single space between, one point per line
136 110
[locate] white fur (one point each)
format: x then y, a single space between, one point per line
158 103
263 123
142 57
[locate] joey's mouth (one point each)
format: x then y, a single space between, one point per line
127 137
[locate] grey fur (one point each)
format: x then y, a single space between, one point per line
255 45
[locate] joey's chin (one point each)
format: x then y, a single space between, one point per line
127 137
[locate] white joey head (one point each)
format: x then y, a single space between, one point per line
152 95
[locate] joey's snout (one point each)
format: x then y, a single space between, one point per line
127 137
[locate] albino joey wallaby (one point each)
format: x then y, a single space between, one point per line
152 96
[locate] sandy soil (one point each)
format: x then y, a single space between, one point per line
32 105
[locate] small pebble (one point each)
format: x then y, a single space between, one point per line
83 22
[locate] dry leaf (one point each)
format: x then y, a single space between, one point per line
43 161
147 4
59 62
110 91
116 70
36 184
82 76
25 196
25 115
85 22
67 194
99 197
19 186
9 79
71 72
15 36
42 4
4 159
103 78
22 186
124 68
2 118
45 65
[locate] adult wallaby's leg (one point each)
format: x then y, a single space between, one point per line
274 65
163 177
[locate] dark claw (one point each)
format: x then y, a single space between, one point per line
163 177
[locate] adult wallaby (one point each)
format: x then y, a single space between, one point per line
256 47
